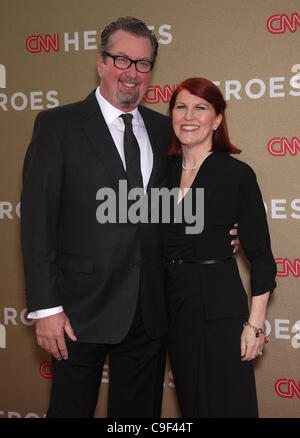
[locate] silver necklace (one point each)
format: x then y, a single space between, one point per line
194 167
190 168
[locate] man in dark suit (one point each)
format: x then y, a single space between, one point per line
97 289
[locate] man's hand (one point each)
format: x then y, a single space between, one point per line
50 334
235 242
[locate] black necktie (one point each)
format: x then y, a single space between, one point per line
132 154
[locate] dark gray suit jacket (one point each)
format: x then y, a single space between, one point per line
95 271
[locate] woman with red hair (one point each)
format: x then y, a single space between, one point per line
213 336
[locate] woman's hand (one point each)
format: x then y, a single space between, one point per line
251 346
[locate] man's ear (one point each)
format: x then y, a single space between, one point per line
100 62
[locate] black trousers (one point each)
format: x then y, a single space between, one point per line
210 378
136 374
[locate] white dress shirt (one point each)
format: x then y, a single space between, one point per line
116 127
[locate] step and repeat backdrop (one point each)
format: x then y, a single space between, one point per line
251 51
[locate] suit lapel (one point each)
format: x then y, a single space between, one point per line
101 140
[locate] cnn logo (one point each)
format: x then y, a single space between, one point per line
287 388
287 267
280 146
37 43
279 23
155 93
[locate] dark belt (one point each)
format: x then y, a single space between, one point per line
201 261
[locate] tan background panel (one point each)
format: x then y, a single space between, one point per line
226 42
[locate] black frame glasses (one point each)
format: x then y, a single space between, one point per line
137 63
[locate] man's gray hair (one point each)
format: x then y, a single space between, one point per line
131 25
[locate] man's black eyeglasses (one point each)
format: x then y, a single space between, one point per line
123 63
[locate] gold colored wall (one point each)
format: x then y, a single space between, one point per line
251 50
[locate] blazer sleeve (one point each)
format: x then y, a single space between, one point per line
40 209
254 234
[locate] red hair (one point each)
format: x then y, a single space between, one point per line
210 92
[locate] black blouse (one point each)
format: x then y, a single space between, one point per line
231 195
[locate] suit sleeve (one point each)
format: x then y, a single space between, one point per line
254 234
40 208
